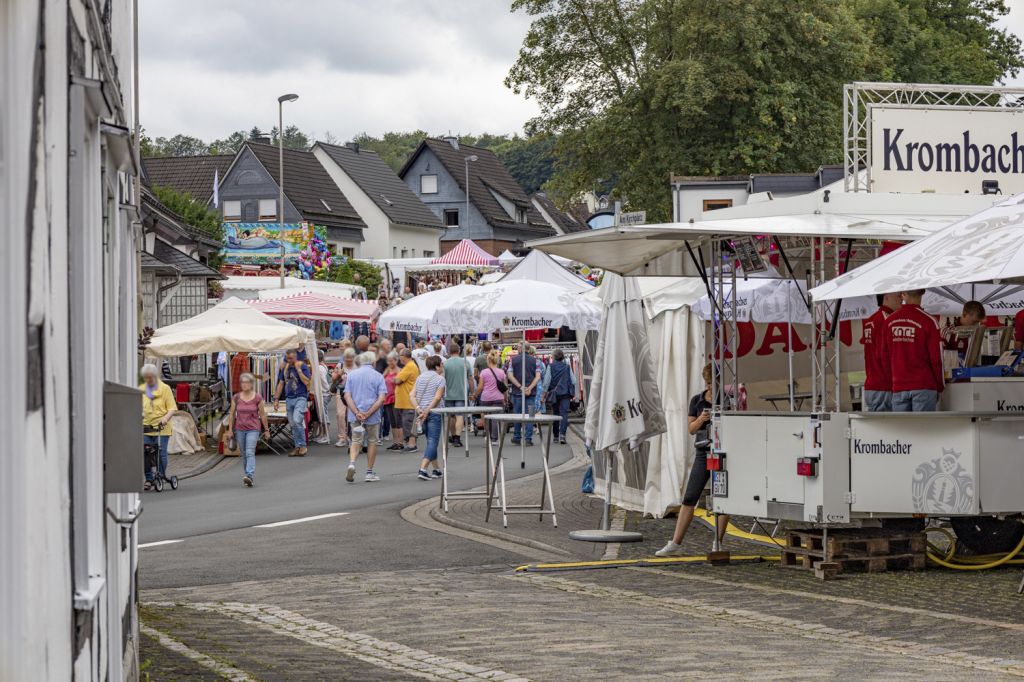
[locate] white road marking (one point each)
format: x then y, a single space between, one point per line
157 544
308 518
225 671
381 653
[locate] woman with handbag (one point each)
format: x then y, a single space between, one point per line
248 412
491 389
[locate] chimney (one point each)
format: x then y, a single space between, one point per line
354 146
452 140
262 139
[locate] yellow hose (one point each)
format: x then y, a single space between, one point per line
969 563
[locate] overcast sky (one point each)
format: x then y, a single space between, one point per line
211 67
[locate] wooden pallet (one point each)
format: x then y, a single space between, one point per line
870 550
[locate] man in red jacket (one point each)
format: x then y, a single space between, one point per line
878 382
913 345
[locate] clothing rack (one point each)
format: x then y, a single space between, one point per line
265 365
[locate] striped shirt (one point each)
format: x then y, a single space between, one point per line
426 388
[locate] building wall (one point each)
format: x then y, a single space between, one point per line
66 584
688 200
382 237
449 196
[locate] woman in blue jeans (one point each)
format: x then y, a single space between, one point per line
428 394
248 413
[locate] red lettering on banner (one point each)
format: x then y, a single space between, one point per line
747 336
778 333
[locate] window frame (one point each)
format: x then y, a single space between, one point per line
449 211
424 176
236 218
715 204
265 217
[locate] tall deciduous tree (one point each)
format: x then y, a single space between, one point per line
638 89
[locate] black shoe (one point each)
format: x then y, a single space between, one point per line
529 443
561 440
457 442
516 441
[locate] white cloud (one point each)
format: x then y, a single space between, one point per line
209 68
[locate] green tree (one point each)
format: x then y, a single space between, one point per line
293 138
354 272
639 89
193 213
228 145
394 148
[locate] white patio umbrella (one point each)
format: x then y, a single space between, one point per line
418 315
624 404
985 247
518 305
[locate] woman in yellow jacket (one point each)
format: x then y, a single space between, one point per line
157 407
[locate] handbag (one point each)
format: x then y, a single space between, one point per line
502 386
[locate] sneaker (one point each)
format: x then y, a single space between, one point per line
341 443
322 440
396 446
457 442
516 441
350 475
561 440
295 453
423 475
529 443
371 477
671 549
410 450
494 443
247 481
436 473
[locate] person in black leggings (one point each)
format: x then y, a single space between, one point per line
698 417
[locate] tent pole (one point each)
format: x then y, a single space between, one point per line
522 404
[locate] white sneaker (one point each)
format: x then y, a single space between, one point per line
322 440
671 549
371 477
340 443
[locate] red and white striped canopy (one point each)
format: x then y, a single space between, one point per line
311 305
466 252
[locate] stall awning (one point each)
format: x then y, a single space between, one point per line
466 252
311 305
985 247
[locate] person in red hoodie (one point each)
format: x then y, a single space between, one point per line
878 380
1018 330
913 345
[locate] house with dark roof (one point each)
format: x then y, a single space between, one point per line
398 224
500 215
249 192
192 175
563 222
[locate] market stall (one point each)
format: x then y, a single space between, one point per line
234 326
255 287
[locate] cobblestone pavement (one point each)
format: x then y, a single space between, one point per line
685 621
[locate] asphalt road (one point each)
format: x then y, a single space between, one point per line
289 488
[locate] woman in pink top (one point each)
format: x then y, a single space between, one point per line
247 414
390 413
488 391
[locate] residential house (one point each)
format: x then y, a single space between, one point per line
249 192
500 214
695 195
69 204
562 222
399 225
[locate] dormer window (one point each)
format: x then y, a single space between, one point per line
520 214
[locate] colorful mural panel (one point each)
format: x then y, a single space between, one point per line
260 243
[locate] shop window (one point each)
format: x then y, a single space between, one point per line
451 217
428 184
232 211
715 204
268 209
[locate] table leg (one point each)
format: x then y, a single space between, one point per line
547 480
493 483
444 466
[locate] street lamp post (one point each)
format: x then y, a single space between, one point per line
280 173
472 157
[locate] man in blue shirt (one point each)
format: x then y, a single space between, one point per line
523 375
365 391
557 390
293 379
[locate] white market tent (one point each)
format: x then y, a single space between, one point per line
986 247
418 315
540 267
234 326
252 288
506 257
660 250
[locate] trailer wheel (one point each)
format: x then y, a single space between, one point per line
987 534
